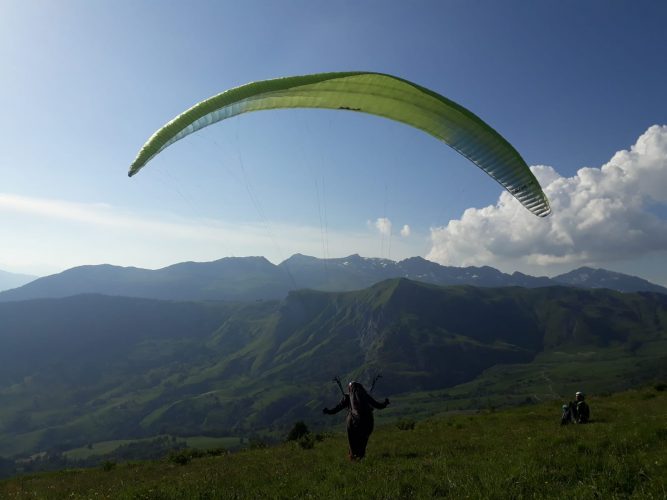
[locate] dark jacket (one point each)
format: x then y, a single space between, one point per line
583 413
360 422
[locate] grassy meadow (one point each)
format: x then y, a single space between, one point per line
521 452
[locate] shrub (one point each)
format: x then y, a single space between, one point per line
108 465
306 442
299 430
660 387
180 457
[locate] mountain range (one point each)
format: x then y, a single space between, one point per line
93 368
240 345
255 278
13 280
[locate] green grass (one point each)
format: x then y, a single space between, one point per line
516 453
207 443
106 447
551 376
101 448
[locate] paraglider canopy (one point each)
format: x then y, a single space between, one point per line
374 93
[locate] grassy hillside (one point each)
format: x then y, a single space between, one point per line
517 453
92 369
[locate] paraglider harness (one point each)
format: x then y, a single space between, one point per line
340 385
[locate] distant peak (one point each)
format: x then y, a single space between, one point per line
299 257
585 269
89 267
416 259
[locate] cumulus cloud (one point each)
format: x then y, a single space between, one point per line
600 215
383 225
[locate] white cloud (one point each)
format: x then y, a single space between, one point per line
599 216
383 225
405 231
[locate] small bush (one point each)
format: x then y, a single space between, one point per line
180 457
108 465
299 430
660 387
306 442
406 424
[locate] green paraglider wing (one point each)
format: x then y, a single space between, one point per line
376 94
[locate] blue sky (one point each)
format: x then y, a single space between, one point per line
570 84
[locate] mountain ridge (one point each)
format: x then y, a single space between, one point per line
13 280
255 278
